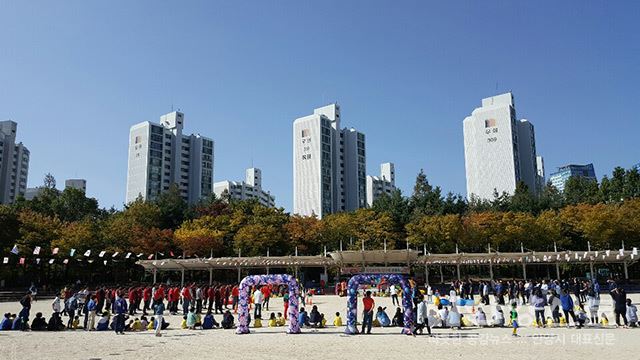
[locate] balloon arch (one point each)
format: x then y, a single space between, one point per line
253 280
352 301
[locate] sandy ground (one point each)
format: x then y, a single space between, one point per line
328 343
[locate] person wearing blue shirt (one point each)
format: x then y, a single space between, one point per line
119 308
567 305
303 318
382 317
90 319
6 323
17 323
209 322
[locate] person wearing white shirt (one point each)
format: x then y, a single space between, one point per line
55 305
258 298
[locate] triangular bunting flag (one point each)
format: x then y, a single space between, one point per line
150 257
87 253
102 253
36 251
115 254
105 263
171 253
73 251
21 261
5 260
15 250
51 261
128 255
139 255
38 261
65 261
55 251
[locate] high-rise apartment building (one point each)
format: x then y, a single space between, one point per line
560 177
161 155
499 150
384 184
80 184
14 164
329 164
250 188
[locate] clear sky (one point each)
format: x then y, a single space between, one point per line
76 75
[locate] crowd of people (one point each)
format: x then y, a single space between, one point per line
141 308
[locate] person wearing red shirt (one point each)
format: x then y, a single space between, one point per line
235 293
146 296
132 300
186 300
368 305
266 292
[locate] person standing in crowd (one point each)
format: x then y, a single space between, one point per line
235 295
632 314
26 310
158 312
394 295
266 292
554 302
593 303
146 298
619 297
422 317
119 308
258 298
186 299
91 314
538 301
100 297
367 315
71 305
567 305
55 305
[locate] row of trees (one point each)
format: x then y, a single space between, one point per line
605 214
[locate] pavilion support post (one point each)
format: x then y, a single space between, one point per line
426 275
626 271
239 274
210 277
155 275
458 271
182 278
491 270
557 271
441 275
593 276
524 270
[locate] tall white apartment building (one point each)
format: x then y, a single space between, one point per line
384 184
499 150
329 164
14 164
161 155
80 184
250 188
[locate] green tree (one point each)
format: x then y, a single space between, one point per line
173 208
426 200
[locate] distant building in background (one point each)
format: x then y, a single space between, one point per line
250 188
80 184
160 155
560 177
14 164
33 192
541 176
329 165
499 150
384 184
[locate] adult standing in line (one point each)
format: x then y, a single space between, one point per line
619 297
367 315
186 299
146 297
119 308
158 312
55 305
423 317
91 313
394 295
258 298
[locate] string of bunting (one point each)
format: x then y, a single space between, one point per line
37 256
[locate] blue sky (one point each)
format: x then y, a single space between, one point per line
76 75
